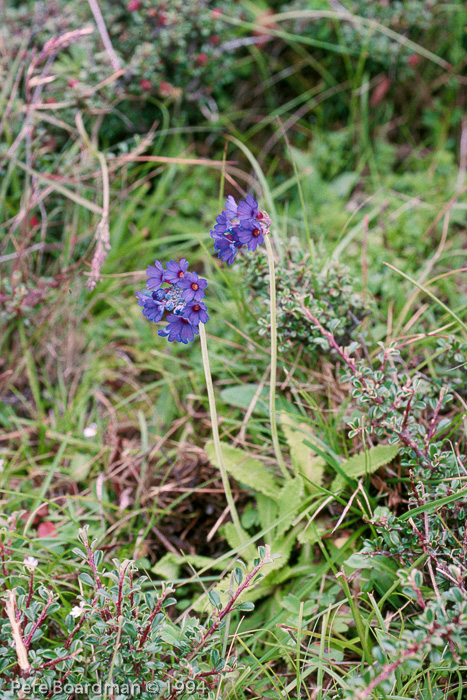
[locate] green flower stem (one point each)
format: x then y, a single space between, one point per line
215 433
273 375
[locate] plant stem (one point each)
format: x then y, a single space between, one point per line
114 655
215 433
233 599
272 381
96 11
359 625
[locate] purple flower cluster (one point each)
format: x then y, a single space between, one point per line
237 225
182 299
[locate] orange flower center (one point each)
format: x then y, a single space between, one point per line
196 307
181 274
256 233
195 286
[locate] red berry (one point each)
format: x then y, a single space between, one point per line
215 40
201 59
145 85
73 82
162 17
216 13
133 6
413 60
33 221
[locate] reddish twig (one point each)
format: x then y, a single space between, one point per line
435 416
156 610
39 620
330 338
228 608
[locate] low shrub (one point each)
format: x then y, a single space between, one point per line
118 634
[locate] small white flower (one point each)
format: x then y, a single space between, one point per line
30 563
78 610
90 430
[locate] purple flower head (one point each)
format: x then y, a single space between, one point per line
173 300
249 233
193 287
237 225
195 312
180 298
225 218
247 209
222 225
156 275
225 248
230 208
152 309
159 294
179 329
176 271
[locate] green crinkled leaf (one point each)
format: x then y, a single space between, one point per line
267 511
364 463
312 532
283 548
291 499
286 574
169 566
263 587
304 460
231 535
271 571
247 470
249 517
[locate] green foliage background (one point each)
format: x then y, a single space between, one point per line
346 121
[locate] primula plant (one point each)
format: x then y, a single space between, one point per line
174 289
